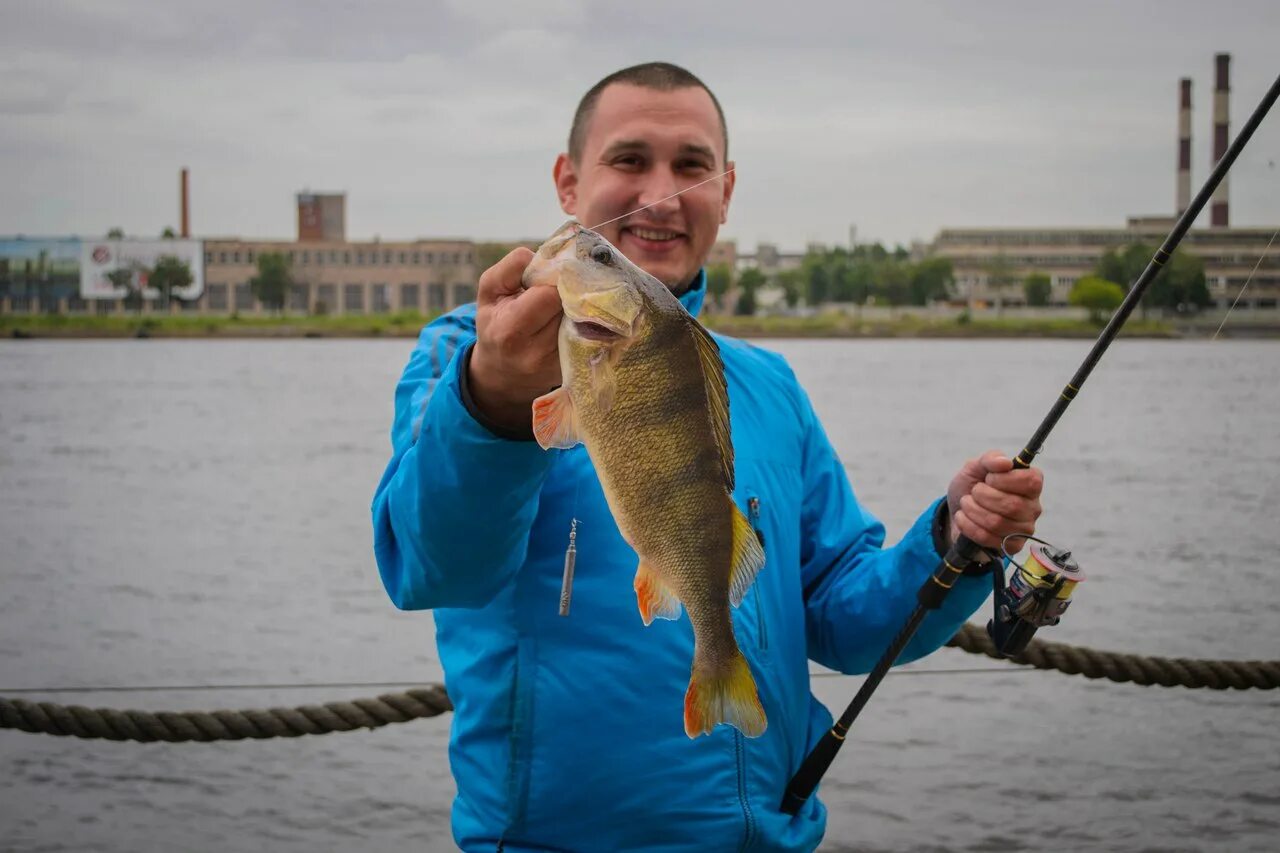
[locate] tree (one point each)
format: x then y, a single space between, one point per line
817 279
271 284
1181 285
1097 295
789 281
930 280
488 254
1038 289
893 282
748 283
126 278
167 234
719 277
116 233
170 274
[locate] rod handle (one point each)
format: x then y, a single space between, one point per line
811 771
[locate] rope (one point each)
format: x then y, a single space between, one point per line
1126 668
205 726
431 701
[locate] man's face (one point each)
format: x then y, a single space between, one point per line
641 146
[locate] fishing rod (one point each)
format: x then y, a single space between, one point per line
1039 591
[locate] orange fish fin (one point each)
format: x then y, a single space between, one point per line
723 695
717 397
748 557
655 598
555 422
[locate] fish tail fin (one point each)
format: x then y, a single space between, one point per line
748 557
723 694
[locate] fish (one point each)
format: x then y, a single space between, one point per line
643 388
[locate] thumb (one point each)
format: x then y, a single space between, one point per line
502 280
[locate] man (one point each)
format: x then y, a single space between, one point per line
567 732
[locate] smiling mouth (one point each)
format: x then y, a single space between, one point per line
594 331
654 235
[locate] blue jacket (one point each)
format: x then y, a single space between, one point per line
568 731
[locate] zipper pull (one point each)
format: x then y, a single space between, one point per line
570 558
753 507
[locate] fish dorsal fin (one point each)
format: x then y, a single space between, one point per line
717 396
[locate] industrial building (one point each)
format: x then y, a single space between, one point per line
990 264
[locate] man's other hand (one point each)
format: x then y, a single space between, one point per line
515 359
989 500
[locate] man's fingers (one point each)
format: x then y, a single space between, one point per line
503 278
1028 482
539 309
1011 506
974 531
995 462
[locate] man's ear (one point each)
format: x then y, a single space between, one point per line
566 179
729 178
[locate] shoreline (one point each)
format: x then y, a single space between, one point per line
408 325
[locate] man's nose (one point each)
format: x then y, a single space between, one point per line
659 193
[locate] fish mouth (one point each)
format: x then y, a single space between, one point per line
593 331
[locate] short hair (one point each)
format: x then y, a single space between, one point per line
661 76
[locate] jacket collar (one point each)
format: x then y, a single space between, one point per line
692 298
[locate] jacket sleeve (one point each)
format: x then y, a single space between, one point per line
452 513
858 594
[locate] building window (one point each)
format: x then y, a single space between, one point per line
217 295
409 297
333 257
431 257
373 258
208 257
353 298
326 298
455 257
244 297
248 257
401 258
386 257
468 257
435 297
291 257
235 257
381 304
306 258
346 258
222 257
298 294
417 258
463 293
359 259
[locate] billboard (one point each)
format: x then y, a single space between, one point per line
39 267
101 261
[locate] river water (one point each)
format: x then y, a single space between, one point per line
196 512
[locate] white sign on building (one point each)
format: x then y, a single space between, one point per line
100 258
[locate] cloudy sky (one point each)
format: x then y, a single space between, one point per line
443 118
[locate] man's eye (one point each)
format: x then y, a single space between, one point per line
629 161
692 166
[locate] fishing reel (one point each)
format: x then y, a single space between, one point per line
1037 594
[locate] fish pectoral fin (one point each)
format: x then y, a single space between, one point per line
723 694
655 598
555 421
748 557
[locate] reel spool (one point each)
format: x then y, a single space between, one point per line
1037 594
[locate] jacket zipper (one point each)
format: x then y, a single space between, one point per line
749 832
762 628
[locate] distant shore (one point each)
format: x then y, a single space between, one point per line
409 324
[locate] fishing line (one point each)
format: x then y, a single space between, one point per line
661 200
1246 283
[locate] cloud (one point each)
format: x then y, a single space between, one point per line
443 118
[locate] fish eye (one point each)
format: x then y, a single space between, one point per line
601 254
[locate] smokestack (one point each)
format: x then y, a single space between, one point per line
185 202
1184 146
1221 97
